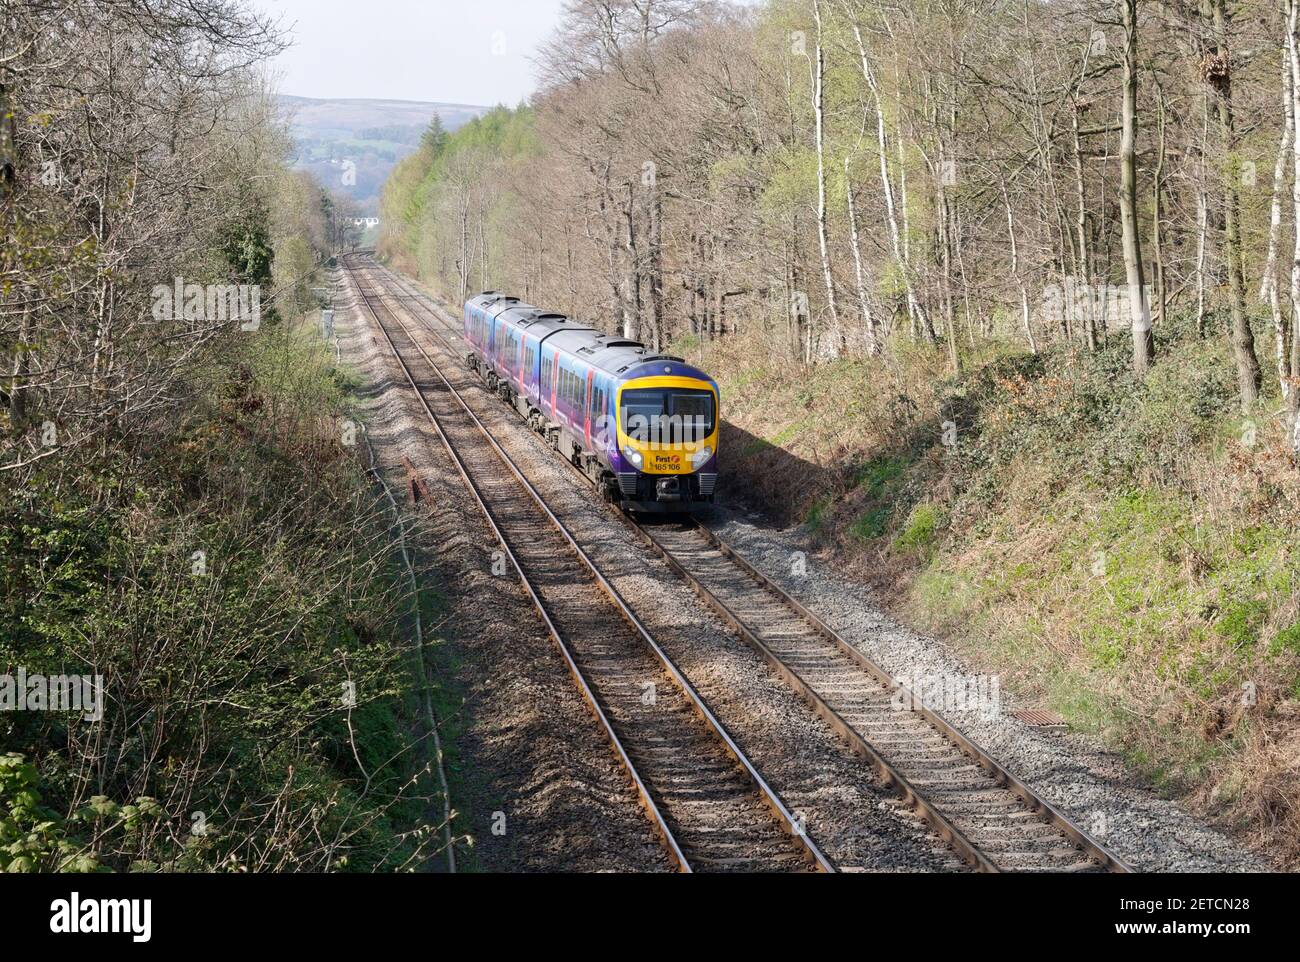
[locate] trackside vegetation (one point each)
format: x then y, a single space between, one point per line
187 532
1120 550
232 581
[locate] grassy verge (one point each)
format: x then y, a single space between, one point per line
231 578
1123 552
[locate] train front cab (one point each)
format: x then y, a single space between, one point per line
667 458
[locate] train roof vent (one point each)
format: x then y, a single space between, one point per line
607 342
649 360
540 315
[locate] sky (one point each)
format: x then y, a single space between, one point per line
449 51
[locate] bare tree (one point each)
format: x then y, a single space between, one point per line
1139 311
1216 68
819 69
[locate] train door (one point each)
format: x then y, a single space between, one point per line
586 407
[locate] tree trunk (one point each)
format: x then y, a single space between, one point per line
8 177
868 319
914 308
1218 66
1157 208
462 262
18 386
1083 258
1268 292
8 146
819 133
655 266
1015 269
945 250
631 274
1139 313
1202 218
1293 404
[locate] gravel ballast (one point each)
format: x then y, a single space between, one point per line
856 821
529 759
1069 770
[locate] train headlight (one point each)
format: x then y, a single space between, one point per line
700 458
634 457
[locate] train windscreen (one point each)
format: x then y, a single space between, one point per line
667 415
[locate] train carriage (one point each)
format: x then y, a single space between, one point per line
643 426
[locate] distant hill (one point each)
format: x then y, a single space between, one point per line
352 145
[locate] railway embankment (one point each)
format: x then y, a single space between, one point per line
1108 551
225 581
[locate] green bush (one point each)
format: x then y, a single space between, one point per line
225 684
918 534
871 525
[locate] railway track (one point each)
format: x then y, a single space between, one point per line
710 805
989 817
970 798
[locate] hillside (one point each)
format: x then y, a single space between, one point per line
352 145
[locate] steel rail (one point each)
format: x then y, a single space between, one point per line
647 802
998 772
769 796
909 794
986 761
955 838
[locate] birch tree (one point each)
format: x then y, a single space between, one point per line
819 69
1139 311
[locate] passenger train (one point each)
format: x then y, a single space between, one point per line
642 426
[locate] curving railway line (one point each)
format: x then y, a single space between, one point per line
710 805
991 819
